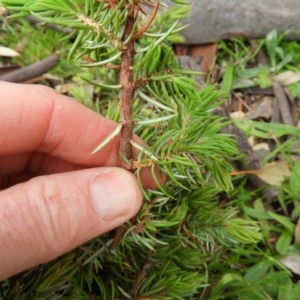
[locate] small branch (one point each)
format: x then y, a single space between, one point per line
147 3
132 8
148 23
283 104
31 71
118 236
126 104
112 4
127 92
252 163
143 273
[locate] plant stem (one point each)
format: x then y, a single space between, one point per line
126 103
127 92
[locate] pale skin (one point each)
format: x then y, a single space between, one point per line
55 195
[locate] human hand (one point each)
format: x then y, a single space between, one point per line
55 195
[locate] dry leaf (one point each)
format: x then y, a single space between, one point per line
264 109
287 78
3 11
4 51
251 140
292 262
238 114
52 77
260 146
274 173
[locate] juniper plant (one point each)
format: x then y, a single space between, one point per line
163 253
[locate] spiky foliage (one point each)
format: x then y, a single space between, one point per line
163 253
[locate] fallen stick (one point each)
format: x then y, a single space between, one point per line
283 103
31 71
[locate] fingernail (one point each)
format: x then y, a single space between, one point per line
113 195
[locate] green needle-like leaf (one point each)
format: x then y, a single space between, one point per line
114 133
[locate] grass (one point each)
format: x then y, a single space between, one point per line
270 269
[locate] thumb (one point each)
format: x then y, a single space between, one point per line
50 215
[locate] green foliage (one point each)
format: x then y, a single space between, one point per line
258 283
279 58
282 56
247 271
180 228
295 89
35 44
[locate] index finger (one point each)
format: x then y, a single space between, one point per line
37 118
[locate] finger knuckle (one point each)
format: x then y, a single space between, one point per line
61 215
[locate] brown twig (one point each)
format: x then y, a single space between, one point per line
31 71
140 9
293 106
275 112
285 110
127 92
148 23
274 119
126 104
147 3
283 103
132 8
143 273
7 69
251 163
34 80
118 235
112 4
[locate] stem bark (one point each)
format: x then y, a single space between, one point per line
126 104
127 93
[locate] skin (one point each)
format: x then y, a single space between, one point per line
50 195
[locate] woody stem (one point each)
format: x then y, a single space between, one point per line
127 92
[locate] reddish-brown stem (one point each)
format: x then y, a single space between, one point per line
126 103
132 8
112 4
144 272
127 92
118 235
148 23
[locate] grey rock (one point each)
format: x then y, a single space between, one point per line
213 20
